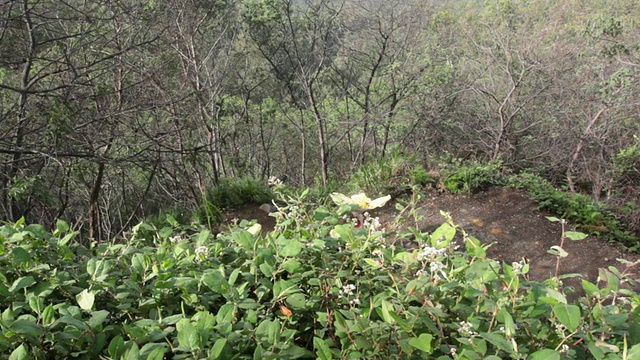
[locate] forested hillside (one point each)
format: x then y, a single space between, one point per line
111 110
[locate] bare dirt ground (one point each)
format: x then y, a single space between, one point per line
509 220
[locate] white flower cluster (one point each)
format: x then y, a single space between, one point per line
177 239
293 212
466 330
347 292
372 223
202 252
274 181
430 253
517 267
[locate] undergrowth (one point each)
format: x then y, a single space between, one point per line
315 287
590 215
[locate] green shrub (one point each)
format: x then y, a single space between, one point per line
316 287
234 192
420 176
375 176
231 193
592 216
459 177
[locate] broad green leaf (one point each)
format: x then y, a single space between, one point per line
244 239
70 320
498 341
138 262
568 315
36 304
187 335
20 353
474 248
225 314
65 240
590 288
133 352
345 232
282 288
26 327
507 320
203 236
98 318
422 342
607 347
442 236
61 226
85 299
553 219
266 269
558 251
296 301
321 213
387 308
21 283
172 320
20 256
373 263
217 348
634 352
323 352
116 347
92 265
544 354
634 332
291 249
156 354
268 331
216 282
575 235
48 315
556 295
204 320
291 266
172 221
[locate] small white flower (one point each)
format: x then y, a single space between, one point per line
517 267
202 252
565 349
274 181
436 266
466 329
176 239
431 253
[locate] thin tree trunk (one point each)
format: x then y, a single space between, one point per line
576 153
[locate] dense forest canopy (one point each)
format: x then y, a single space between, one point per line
114 109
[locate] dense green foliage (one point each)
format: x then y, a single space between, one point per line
315 287
114 111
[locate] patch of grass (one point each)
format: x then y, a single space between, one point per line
468 177
231 193
588 214
375 176
420 176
